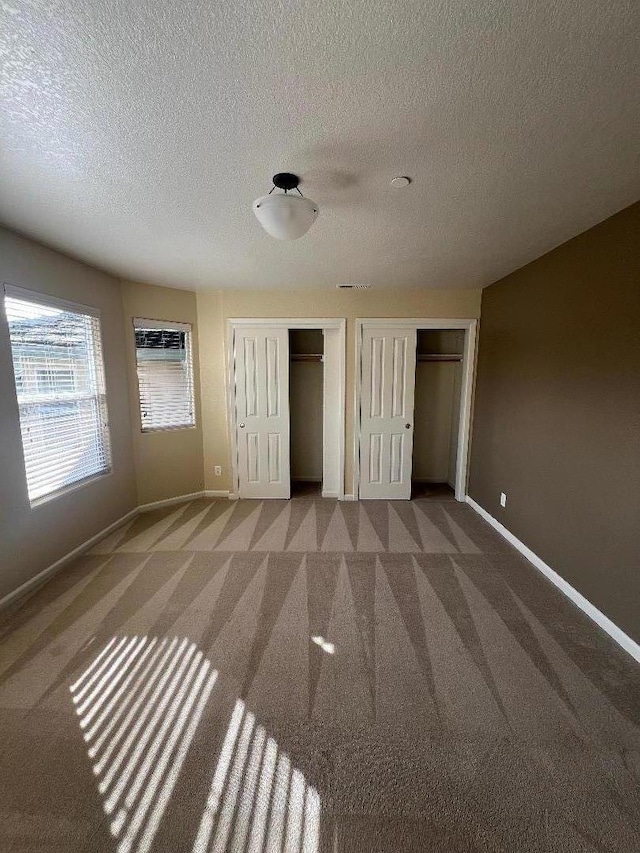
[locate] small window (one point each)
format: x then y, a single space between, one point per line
165 374
59 376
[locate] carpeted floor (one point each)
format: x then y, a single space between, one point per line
313 676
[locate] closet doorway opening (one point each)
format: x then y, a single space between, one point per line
436 413
412 407
286 407
306 403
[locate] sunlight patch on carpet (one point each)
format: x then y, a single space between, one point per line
139 704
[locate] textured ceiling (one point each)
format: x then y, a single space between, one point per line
135 135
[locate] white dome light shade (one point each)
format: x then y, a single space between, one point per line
285 217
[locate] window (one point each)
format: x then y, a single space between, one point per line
165 374
59 373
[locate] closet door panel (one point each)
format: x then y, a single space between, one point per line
261 358
386 412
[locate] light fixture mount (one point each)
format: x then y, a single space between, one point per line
286 181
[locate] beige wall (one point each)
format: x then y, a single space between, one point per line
557 412
214 309
168 463
31 539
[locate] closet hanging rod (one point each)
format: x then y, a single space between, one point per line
439 357
303 356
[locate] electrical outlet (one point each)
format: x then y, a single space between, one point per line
217 470
503 499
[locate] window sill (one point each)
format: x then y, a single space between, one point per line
65 490
181 427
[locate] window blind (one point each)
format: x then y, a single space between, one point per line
165 374
59 375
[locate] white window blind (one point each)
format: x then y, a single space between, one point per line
59 373
165 374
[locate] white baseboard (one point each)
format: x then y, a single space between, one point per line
623 640
41 577
205 493
349 498
170 501
330 494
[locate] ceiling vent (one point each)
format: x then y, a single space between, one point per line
353 286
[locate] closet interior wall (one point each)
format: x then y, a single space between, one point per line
306 389
437 405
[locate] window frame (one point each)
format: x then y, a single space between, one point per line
47 300
148 324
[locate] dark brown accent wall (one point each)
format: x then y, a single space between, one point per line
557 412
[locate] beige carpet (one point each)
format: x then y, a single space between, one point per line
313 676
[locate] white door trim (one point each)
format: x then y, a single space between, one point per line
468 376
466 402
418 323
289 322
338 323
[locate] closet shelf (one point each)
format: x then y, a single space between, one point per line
299 356
440 356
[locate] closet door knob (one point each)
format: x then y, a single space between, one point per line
407 426
241 426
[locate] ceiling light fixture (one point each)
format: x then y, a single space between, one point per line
400 182
284 216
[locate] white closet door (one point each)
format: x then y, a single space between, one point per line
386 412
262 411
